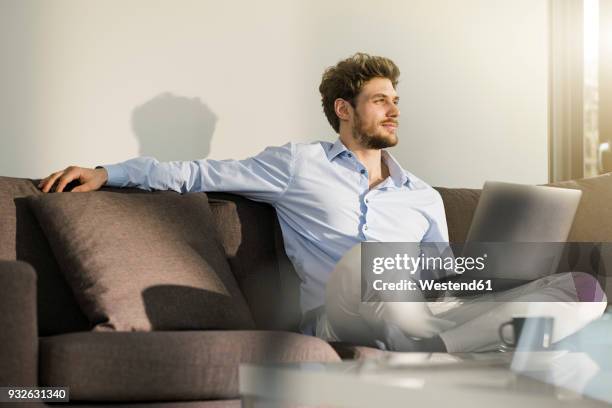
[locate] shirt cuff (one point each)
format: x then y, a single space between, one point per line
117 175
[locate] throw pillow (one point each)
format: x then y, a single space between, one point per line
143 261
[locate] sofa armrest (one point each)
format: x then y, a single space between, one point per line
18 325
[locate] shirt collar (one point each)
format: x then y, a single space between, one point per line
336 149
397 173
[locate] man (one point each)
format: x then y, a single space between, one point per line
329 197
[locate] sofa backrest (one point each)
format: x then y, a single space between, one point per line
21 238
251 237
590 235
253 243
459 206
249 232
592 223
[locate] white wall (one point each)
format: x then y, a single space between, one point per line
93 82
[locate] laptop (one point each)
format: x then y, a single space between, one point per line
522 229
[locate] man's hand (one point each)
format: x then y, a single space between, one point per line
90 179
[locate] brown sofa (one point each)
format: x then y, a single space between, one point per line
46 340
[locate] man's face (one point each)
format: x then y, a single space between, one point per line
376 115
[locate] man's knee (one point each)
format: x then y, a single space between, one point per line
592 298
570 287
587 288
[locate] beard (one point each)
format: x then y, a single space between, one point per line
372 139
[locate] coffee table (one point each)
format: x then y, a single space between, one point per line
521 379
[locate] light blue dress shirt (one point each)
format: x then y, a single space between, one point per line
321 195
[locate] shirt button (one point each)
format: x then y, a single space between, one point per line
365 227
362 171
367 201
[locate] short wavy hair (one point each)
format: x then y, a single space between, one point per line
346 79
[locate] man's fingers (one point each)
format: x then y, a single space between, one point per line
65 179
51 180
89 179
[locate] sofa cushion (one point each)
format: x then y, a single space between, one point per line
148 261
459 206
234 403
166 366
22 239
593 220
253 243
18 334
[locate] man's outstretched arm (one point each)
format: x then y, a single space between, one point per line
264 177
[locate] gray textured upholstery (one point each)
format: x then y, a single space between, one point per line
18 333
166 366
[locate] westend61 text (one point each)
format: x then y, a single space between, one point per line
477 285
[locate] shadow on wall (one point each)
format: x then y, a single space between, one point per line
170 127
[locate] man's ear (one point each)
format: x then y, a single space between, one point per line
342 108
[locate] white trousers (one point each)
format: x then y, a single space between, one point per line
465 325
